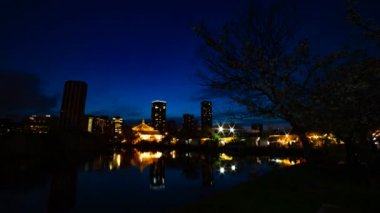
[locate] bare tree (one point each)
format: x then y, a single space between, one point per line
258 63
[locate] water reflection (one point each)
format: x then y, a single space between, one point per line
63 188
207 171
193 165
286 161
144 159
125 180
157 174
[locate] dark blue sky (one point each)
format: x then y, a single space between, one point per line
133 52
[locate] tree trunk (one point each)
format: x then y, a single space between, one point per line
351 152
360 161
308 154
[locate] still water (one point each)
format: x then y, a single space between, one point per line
127 181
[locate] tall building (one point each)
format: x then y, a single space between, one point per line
117 124
189 126
159 115
206 118
73 105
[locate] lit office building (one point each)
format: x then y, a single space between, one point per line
40 124
73 106
98 125
117 125
206 117
159 115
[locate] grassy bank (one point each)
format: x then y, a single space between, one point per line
295 189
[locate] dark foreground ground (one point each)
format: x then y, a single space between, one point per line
302 188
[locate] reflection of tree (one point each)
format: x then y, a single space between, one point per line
63 187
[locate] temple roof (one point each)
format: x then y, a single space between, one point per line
143 127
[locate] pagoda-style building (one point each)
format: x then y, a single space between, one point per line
144 132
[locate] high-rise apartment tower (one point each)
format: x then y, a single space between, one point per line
159 115
73 106
206 118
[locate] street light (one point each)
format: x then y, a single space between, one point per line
220 129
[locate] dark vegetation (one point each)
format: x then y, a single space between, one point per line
301 188
257 62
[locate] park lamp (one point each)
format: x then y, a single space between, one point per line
220 129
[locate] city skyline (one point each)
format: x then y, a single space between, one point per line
129 53
190 106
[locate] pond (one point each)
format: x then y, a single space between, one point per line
127 180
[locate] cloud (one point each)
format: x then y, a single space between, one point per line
21 93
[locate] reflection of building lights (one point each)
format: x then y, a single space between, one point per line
173 154
110 166
89 126
286 162
223 156
222 170
115 163
143 159
376 135
150 155
118 160
258 160
233 167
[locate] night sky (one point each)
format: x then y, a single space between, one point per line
129 52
